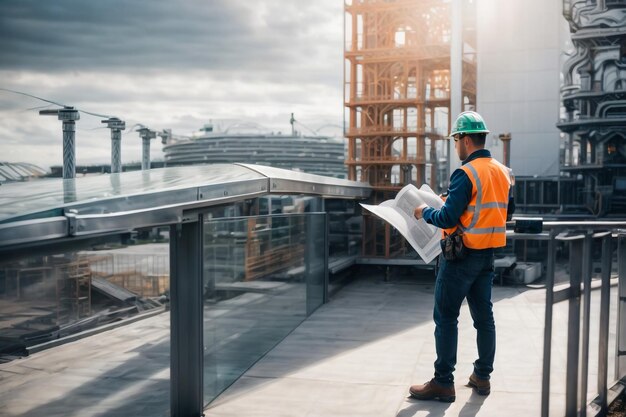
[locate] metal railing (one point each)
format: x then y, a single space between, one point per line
580 237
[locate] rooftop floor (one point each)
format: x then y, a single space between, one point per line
358 355
355 356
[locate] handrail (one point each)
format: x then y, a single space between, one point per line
116 209
580 235
582 224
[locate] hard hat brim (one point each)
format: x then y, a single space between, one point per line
467 132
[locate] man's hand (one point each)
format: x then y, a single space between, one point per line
418 211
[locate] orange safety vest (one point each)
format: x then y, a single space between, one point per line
484 220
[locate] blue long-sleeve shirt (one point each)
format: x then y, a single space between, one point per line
459 196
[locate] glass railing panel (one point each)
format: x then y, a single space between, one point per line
344 228
315 262
262 276
110 301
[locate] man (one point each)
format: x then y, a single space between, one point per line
476 204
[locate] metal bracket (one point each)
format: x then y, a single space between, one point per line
71 221
189 217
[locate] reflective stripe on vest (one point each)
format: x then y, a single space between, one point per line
484 220
486 230
490 205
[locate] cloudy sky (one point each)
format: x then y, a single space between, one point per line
164 64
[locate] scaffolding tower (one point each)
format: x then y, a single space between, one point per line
397 98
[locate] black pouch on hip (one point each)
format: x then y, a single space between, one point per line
452 246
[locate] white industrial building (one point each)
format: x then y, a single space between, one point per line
520 45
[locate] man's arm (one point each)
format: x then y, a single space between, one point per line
511 206
459 196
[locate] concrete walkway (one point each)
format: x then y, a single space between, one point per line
357 356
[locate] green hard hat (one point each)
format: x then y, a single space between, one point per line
469 122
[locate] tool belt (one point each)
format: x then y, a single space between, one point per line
452 246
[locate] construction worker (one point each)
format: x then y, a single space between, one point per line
474 213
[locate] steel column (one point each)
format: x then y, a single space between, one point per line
186 316
145 154
506 148
68 115
69 149
116 125
146 136
116 151
69 190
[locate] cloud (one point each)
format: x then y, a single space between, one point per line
155 35
115 34
166 65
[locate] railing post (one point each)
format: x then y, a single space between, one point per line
573 328
587 265
547 331
603 339
186 317
620 361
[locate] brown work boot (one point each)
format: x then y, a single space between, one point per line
481 386
433 391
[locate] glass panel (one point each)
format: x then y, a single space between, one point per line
262 276
121 287
344 229
315 262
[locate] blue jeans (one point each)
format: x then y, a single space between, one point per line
469 278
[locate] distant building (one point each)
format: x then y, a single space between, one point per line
19 171
312 154
594 97
56 171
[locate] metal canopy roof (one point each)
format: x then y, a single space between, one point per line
56 208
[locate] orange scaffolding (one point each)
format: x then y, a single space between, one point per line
397 93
